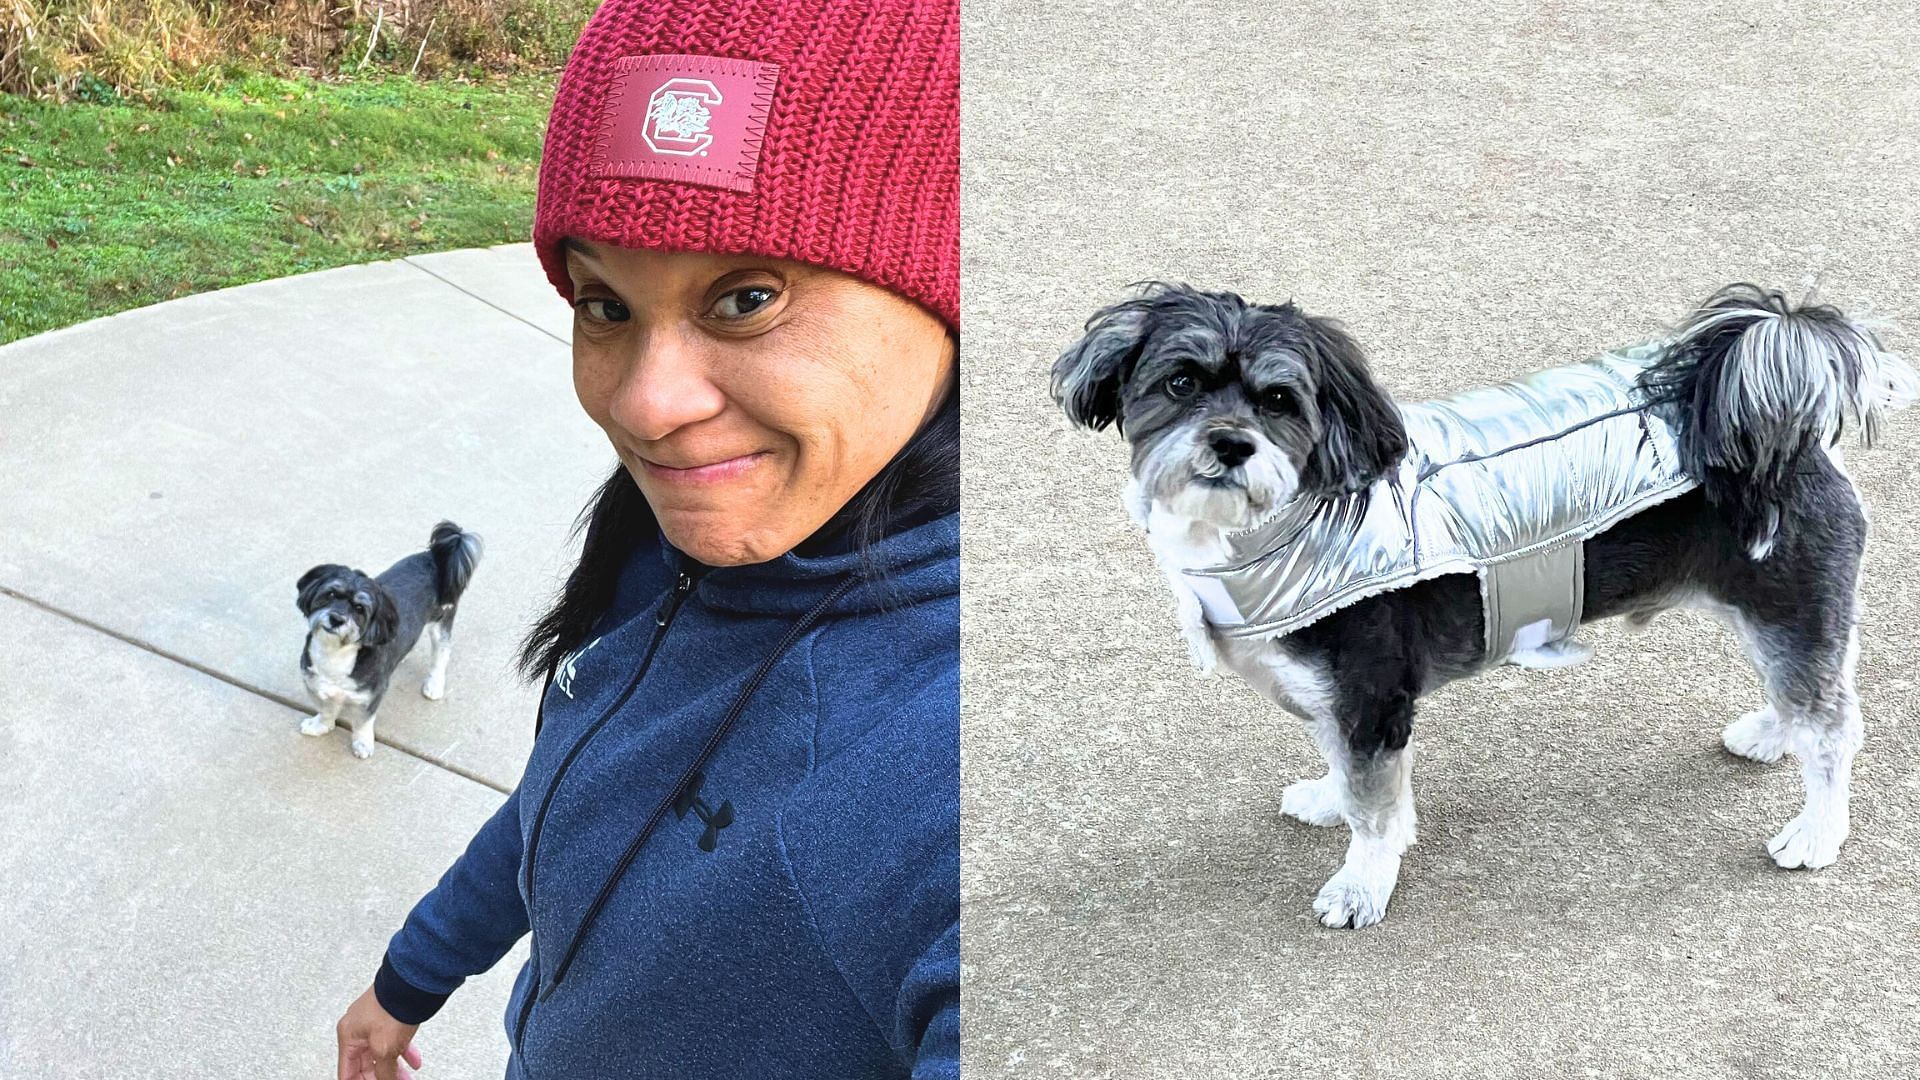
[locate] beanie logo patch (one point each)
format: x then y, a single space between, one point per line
688 119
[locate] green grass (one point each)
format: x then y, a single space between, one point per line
113 206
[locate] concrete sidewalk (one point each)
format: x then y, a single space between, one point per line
1478 190
193 888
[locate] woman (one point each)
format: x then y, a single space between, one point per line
736 840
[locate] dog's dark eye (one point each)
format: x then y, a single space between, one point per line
1277 402
1182 385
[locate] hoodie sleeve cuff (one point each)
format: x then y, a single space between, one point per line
404 1001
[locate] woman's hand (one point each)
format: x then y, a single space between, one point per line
373 1044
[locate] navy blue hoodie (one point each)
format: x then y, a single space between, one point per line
794 911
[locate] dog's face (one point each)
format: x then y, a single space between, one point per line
1231 408
346 605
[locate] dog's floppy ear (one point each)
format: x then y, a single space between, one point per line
313 581
383 621
1088 376
1361 433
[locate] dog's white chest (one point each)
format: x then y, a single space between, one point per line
329 674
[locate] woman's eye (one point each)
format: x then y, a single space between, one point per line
1182 386
600 309
741 303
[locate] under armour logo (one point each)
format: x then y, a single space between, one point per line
715 820
564 677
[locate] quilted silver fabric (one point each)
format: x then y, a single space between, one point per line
1505 481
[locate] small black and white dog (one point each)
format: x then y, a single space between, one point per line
1234 408
359 628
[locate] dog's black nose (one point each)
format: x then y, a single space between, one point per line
1231 449
335 621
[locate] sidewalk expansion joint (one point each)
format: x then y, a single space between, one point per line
238 684
460 288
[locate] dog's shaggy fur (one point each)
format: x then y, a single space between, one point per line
359 628
1233 409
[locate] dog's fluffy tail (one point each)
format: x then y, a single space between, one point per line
1756 381
455 553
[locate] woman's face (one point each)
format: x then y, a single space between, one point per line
749 398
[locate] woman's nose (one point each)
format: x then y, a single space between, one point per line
667 386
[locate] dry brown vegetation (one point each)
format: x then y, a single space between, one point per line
99 49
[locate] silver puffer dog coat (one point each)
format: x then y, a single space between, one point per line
1507 482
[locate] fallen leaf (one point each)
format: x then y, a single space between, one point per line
52 244
143 129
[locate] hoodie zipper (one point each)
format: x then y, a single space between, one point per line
719 732
682 588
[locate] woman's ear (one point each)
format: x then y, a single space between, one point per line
1361 433
1087 377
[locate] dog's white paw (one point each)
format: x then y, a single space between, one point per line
1811 840
1316 802
1357 896
316 725
1759 736
434 688
363 748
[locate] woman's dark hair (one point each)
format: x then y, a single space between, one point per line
920 484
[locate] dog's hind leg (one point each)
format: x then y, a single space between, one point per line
1760 735
1376 764
1816 715
440 638
1806 645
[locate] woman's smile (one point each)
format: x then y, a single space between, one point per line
718 471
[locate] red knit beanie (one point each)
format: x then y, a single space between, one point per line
822 131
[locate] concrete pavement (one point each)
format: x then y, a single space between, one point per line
1478 190
193 887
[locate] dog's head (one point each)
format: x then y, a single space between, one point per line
1231 408
347 605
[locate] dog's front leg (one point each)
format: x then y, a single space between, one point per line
1193 624
361 721
320 723
1378 808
